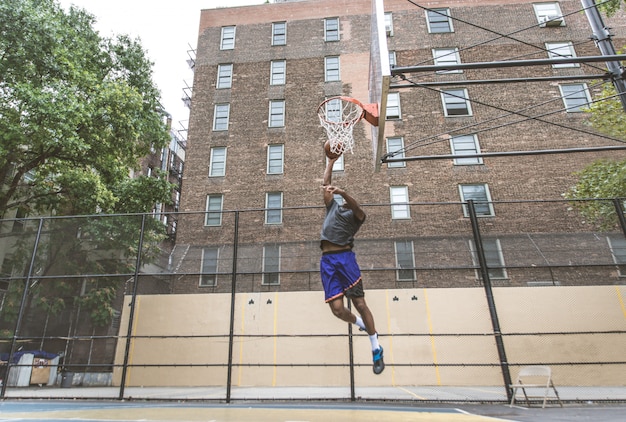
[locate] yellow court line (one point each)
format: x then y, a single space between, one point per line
275 336
621 300
243 331
393 367
411 393
432 339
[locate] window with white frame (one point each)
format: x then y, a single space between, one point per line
479 194
405 260
493 256
278 72
561 49
279 33
224 76
392 58
447 56
214 205
389 24
575 97
275 158
208 276
617 244
333 110
465 145
338 165
393 106
331 29
331 69
277 113
274 208
399 196
456 102
228 38
271 265
396 145
217 162
548 14
439 21
221 116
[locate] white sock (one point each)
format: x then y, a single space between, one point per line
374 341
359 322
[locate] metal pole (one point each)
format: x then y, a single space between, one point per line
20 315
351 352
484 271
233 291
602 37
619 209
131 317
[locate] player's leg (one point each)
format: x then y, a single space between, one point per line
339 309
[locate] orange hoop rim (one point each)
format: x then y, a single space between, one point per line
369 111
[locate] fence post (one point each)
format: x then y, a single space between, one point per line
131 316
484 271
619 209
20 315
233 291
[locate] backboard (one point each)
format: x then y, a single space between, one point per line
379 78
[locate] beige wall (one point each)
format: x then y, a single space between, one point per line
404 318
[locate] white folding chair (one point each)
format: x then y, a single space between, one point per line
535 378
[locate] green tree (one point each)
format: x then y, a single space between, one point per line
77 112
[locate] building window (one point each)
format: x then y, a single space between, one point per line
338 165
279 33
275 159
389 24
333 110
618 250
561 49
479 193
208 276
217 163
271 264
331 29
549 14
224 76
399 196
465 145
277 113
493 256
278 72
439 21
392 58
331 69
393 106
456 102
220 117
447 56
228 38
396 145
575 97
274 208
405 261
214 210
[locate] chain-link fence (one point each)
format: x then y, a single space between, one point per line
464 295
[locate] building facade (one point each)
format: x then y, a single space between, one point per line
255 143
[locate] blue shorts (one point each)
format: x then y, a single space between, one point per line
340 272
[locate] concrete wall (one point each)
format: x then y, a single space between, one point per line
279 335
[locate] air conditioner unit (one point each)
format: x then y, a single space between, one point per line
389 30
552 20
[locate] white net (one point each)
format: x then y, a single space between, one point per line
338 117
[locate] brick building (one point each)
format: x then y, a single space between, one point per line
255 143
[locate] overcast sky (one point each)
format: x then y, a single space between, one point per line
167 29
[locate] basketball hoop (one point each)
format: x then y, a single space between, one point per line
338 115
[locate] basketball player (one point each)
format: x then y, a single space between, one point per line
341 275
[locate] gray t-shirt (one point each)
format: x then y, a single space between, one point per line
340 225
